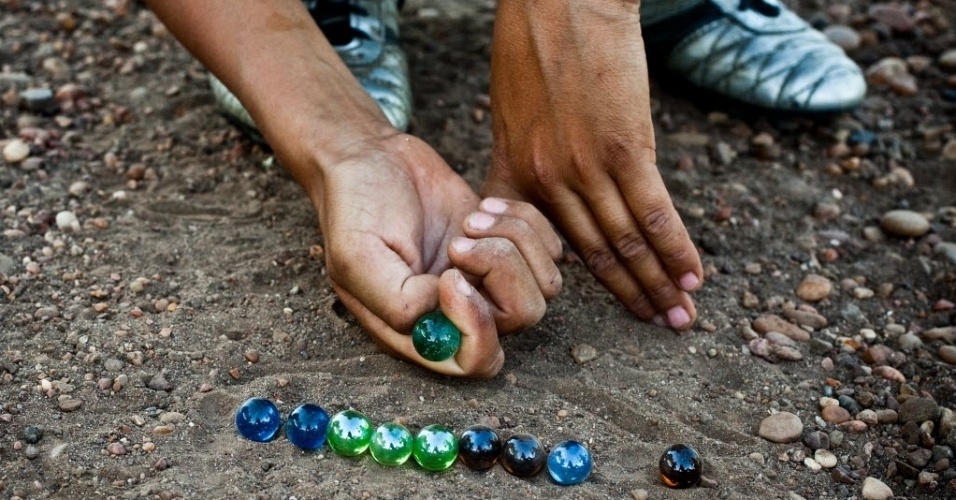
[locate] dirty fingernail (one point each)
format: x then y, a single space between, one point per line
677 317
480 221
689 282
463 244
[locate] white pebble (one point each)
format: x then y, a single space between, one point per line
16 151
811 464
67 221
825 458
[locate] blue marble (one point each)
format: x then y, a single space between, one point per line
258 419
307 426
680 466
569 463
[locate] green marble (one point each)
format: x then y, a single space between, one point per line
349 433
436 448
435 337
391 444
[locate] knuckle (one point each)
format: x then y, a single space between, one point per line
600 261
633 247
657 221
659 290
553 284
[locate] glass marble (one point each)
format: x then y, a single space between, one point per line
307 426
435 337
349 433
479 447
523 456
391 444
569 463
436 448
680 466
258 419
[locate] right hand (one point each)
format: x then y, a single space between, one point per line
396 219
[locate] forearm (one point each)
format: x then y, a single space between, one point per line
275 59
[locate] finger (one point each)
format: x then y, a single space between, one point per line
480 354
393 292
516 301
646 196
532 216
584 234
639 256
525 238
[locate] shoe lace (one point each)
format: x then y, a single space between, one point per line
334 18
760 6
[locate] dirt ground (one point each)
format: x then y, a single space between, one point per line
193 281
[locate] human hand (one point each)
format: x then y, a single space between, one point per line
396 219
573 134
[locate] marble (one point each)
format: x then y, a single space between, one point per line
569 463
258 419
435 448
391 444
680 466
523 456
479 447
349 433
307 426
435 337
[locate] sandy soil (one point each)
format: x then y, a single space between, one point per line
227 249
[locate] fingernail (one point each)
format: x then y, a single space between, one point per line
480 221
677 317
658 320
463 244
494 206
689 282
462 285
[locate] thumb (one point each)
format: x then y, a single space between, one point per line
480 355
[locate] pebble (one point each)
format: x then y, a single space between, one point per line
31 452
15 151
868 417
774 323
583 353
32 434
40 100
640 494
116 448
817 440
874 489
947 353
159 383
835 414
946 334
887 416
113 365
918 410
806 318
161 464
905 223
845 37
782 427
895 16
825 458
812 464
889 373
947 250
70 405
67 221
172 417
947 60
893 72
814 288
877 354
78 188
909 342
854 426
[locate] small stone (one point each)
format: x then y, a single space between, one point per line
67 221
39 100
32 434
78 188
845 37
927 479
863 293
31 452
149 447
946 250
946 334
172 417
70 405
806 318
116 448
887 416
159 383
854 426
814 288
947 353
774 323
811 464
918 410
163 430
138 420
825 458
205 387
835 414
868 417
889 373
15 151
787 353
757 457
640 494
947 60
781 427
909 342
161 464
874 489
252 356
583 353
235 373
905 223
